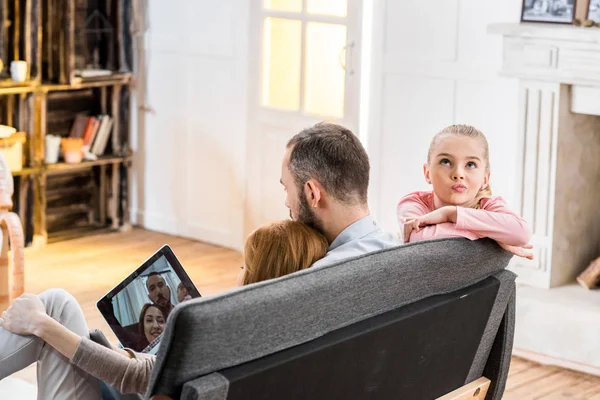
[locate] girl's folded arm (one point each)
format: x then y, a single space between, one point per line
495 221
410 206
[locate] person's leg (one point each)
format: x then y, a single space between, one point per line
57 377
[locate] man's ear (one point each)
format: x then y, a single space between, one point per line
426 173
312 191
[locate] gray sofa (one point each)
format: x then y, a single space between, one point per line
416 321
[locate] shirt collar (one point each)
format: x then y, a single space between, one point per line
356 230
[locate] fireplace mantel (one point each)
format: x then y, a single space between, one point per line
557 187
558 181
551 52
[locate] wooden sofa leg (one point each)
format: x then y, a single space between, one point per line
475 390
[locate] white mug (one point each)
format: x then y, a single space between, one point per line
52 149
18 71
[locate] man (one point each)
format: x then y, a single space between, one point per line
325 173
159 292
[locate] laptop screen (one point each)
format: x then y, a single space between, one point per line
137 308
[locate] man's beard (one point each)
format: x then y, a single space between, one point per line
307 216
162 301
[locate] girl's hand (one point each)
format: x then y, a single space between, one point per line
24 315
439 216
408 228
518 251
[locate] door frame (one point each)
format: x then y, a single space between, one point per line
259 116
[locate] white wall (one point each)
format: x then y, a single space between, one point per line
434 65
188 175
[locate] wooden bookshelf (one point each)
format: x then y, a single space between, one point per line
60 201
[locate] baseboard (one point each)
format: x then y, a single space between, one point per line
558 362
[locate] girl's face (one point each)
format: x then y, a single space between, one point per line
154 323
457 170
181 293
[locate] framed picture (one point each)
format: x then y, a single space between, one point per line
593 11
552 11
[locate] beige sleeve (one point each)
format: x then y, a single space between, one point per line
128 375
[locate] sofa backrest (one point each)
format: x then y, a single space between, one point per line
216 333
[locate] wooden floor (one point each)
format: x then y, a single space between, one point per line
89 267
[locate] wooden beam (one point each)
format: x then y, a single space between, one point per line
36 45
102 200
116 115
69 42
10 110
4 33
125 180
475 390
16 23
39 137
114 197
27 35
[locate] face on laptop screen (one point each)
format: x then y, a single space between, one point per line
141 306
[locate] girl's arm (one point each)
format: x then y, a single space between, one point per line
409 208
495 221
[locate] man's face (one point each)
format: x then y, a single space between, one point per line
295 199
158 291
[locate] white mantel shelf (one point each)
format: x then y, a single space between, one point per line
548 31
550 52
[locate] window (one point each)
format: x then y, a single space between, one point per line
304 54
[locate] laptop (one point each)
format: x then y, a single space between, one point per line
138 307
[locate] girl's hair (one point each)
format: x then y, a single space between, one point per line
281 248
143 315
472 132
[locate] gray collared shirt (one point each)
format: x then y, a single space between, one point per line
362 237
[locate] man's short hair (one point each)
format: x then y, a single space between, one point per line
154 273
335 157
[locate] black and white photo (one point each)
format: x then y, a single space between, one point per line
554 11
594 11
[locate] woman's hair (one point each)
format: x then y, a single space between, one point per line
472 132
281 248
143 314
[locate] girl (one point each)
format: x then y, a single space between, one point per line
461 203
72 366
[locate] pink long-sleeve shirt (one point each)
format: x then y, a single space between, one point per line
493 220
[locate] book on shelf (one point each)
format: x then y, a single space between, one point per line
99 145
91 128
79 125
94 130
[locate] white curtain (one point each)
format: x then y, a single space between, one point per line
128 303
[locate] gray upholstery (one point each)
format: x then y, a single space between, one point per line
210 387
212 333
